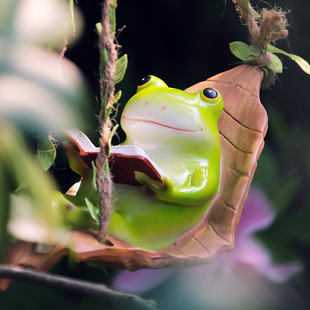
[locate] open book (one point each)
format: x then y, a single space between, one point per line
124 159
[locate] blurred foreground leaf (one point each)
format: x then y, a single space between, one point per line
4 209
46 151
37 89
31 212
41 22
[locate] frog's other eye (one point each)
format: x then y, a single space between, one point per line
144 81
210 94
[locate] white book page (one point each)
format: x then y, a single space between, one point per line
130 150
80 138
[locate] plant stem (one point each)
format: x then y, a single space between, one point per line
104 182
77 286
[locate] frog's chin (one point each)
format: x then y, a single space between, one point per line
145 120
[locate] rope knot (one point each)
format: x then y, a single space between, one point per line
263 60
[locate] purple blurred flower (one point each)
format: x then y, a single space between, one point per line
141 281
238 278
257 215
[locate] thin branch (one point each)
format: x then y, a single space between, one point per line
77 286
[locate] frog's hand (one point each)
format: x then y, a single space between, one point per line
75 161
150 183
201 188
70 214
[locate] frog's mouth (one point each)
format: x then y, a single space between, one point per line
159 124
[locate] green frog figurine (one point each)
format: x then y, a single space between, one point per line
179 132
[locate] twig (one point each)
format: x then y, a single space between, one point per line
77 286
104 182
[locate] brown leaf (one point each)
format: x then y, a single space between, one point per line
242 126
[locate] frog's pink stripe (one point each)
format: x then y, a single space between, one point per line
156 123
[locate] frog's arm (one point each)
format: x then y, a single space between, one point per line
72 215
73 209
75 161
202 185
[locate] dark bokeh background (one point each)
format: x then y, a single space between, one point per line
184 42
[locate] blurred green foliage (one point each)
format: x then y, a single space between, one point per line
39 92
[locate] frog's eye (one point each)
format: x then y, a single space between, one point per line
144 81
150 81
210 94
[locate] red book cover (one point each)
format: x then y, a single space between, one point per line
124 159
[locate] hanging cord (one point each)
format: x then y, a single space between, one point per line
264 28
103 179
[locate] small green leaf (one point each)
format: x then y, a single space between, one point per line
255 51
241 50
22 186
46 151
111 136
276 64
107 113
94 181
110 108
91 210
106 169
256 14
117 96
304 65
121 66
99 27
246 5
112 17
103 60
